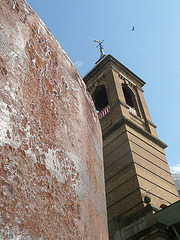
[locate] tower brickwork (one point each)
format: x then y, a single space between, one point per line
134 158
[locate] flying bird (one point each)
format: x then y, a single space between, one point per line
133 28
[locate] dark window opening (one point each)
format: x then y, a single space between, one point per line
100 98
129 98
130 101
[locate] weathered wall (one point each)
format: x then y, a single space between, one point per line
51 163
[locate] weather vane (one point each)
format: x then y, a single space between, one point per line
100 45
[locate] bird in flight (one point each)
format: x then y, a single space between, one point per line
133 28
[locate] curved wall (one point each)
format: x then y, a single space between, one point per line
51 162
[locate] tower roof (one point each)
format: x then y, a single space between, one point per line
103 62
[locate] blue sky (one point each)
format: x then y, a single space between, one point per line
152 51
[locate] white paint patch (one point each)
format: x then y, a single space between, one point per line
53 164
14 5
16 53
4 123
13 233
84 179
25 8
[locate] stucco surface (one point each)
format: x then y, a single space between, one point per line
51 162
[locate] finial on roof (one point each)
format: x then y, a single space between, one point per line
100 45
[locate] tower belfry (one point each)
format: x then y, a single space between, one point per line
137 176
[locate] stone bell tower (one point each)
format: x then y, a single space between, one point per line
137 176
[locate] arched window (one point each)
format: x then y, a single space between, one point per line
101 101
100 98
130 100
128 97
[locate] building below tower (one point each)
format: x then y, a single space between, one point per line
176 177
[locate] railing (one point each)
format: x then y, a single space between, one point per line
104 111
132 110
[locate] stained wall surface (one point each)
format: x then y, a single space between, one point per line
51 163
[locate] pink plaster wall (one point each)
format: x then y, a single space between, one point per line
51 162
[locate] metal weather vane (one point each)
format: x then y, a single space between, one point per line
100 45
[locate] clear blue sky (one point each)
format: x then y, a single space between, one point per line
152 51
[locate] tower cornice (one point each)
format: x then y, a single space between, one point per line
123 120
103 62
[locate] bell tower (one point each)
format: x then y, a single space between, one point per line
137 176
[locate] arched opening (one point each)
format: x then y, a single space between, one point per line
130 100
101 101
100 98
128 97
